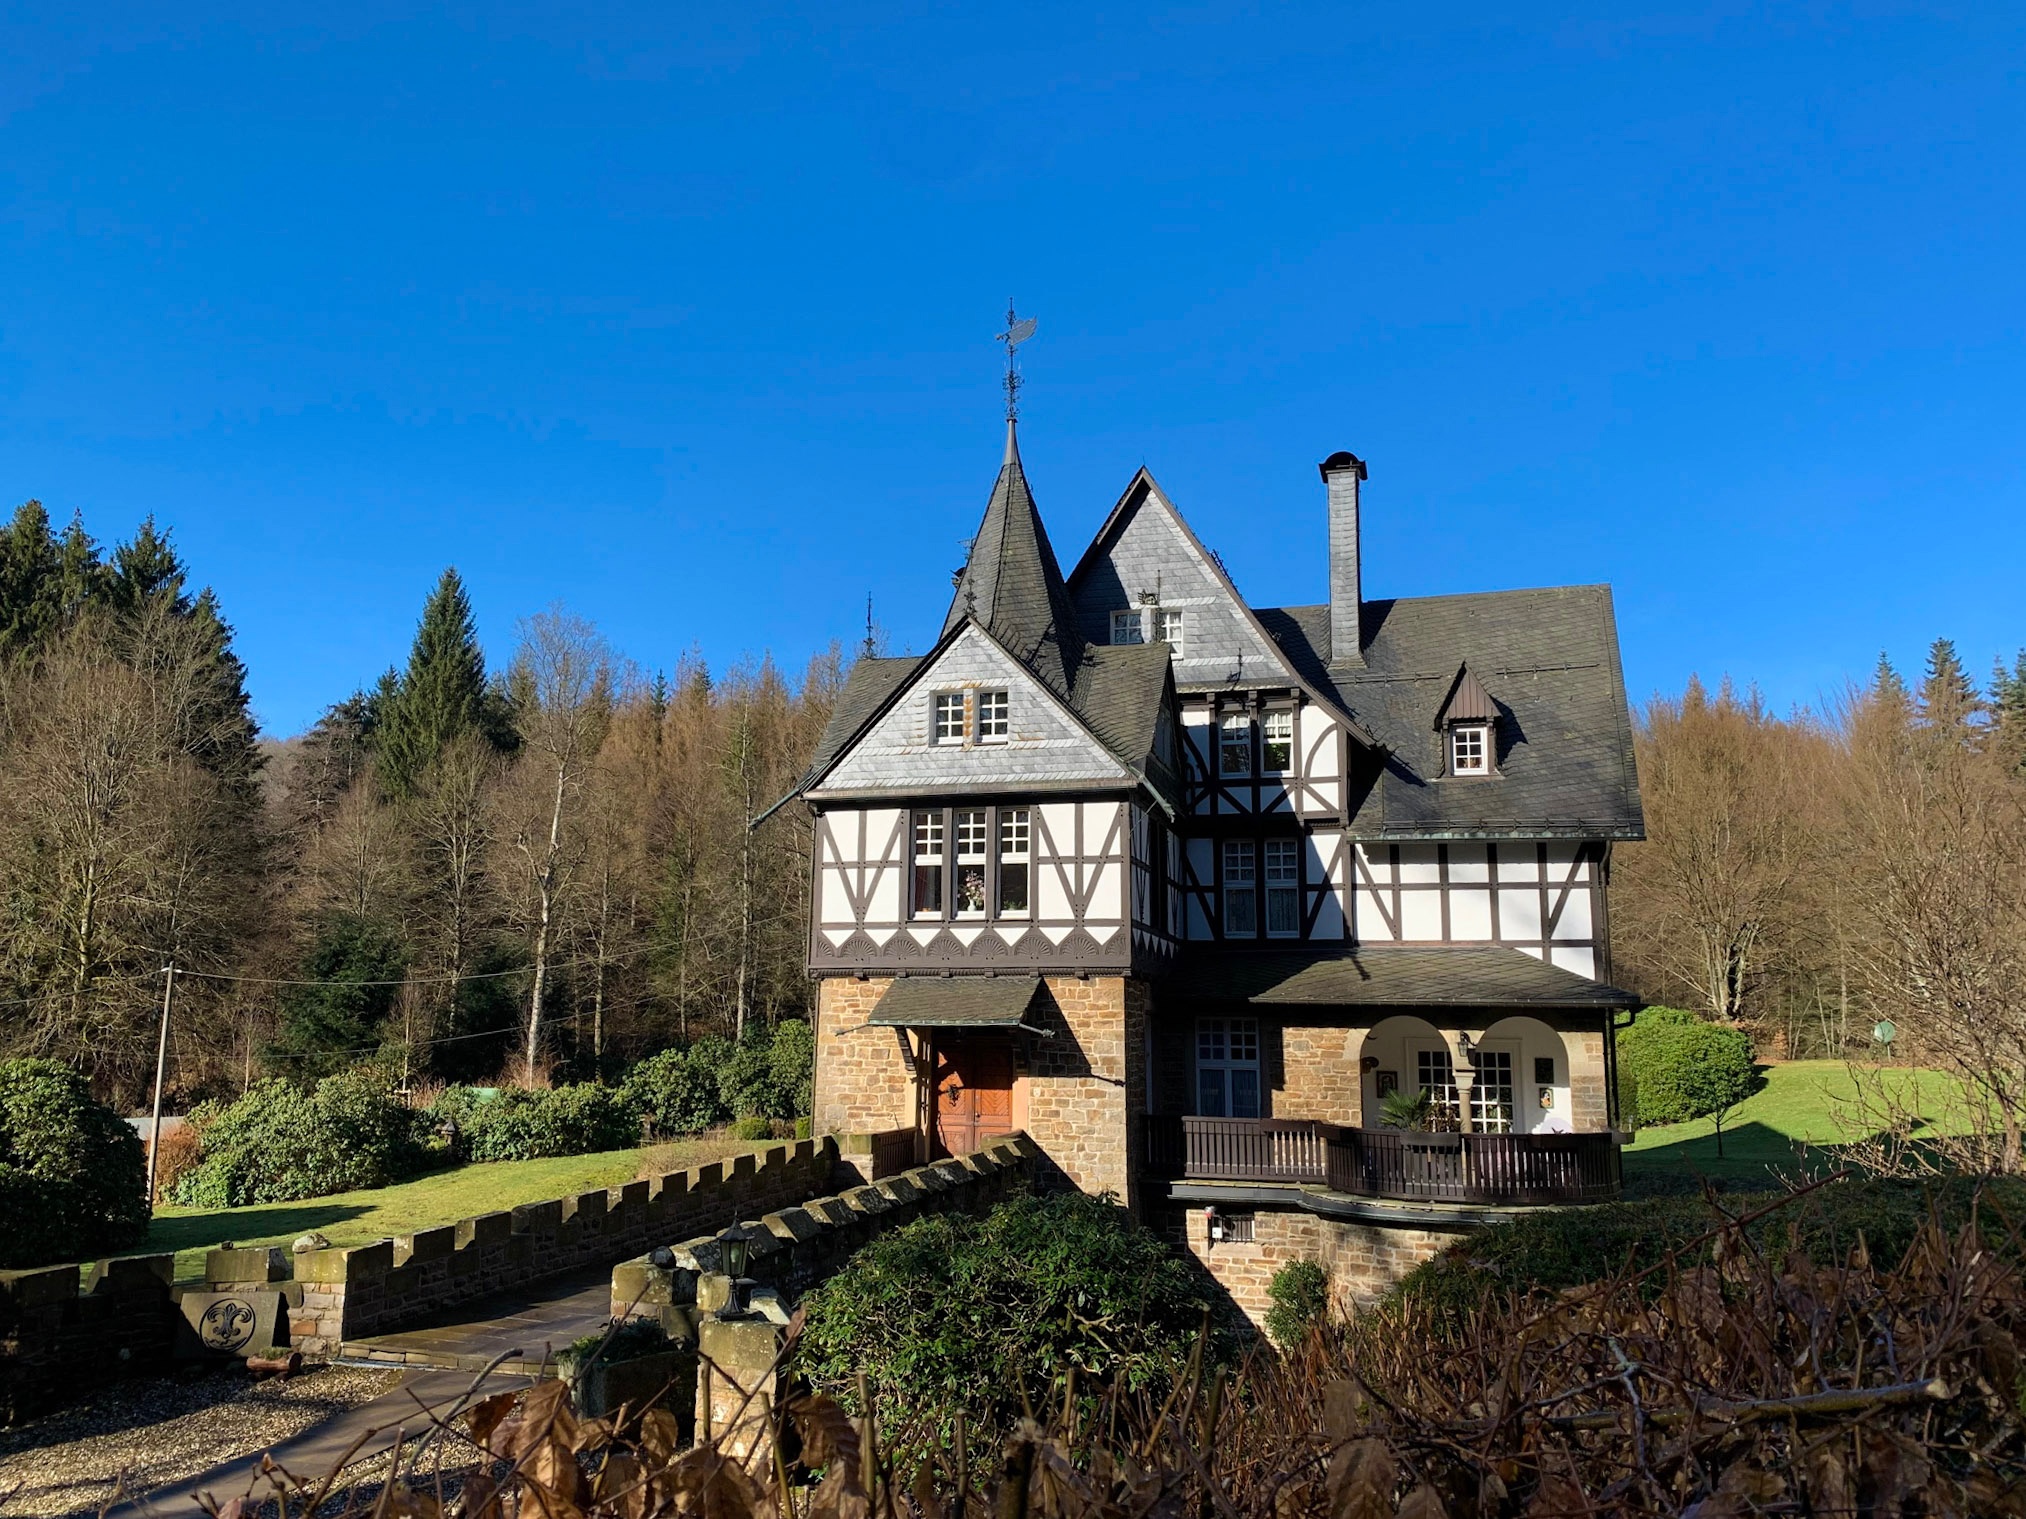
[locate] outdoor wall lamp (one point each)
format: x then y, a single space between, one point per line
1213 1226
737 1249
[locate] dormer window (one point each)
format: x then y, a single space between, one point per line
993 717
1126 627
1166 625
1466 722
1470 749
949 727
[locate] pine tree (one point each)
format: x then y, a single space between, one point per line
30 608
443 695
1947 699
2008 711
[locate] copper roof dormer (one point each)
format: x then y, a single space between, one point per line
1011 584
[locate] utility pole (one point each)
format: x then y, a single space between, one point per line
161 1061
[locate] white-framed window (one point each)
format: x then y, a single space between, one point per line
1241 890
1276 742
994 717
1170 627
949 711
1435 1074
1227 1067
928 880
1283 889
1234 745
1014 833
971 841
1491 1097
1470 749
1128 627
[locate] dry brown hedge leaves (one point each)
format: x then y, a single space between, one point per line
1717 1390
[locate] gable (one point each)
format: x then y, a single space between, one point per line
1047 744
1146 547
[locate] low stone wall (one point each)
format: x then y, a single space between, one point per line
374 1289
59 1337
731 1355
791 1249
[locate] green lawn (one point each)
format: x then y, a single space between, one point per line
1794 1121
442 1197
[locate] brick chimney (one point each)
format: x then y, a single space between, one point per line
1342 473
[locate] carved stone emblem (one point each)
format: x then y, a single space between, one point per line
226 1325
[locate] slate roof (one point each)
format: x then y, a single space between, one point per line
1548 660
1391 975
867 688
1012 585
955 1002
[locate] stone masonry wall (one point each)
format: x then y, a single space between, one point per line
864 1077
57 1340
793 1249
1319 1075
1086 1093
372 1289
1362 1260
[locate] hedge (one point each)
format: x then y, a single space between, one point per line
73 1175
534 1125
953 1311
1674 1065
280 1143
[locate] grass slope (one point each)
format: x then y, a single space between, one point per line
1796 1119
442 1197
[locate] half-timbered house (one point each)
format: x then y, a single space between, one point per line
1184 888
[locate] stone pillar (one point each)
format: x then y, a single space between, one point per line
735 1383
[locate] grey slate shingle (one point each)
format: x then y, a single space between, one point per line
1391 975
1548 659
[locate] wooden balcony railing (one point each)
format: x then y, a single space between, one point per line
1495 1169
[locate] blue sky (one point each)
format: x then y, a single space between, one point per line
682 316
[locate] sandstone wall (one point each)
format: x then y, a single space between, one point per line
864 1076
373 1289
60 1337
1362 1260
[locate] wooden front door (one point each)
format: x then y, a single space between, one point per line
974 1090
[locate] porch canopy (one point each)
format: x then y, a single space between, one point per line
1394 975
956 1002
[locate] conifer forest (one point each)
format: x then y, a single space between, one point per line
540 863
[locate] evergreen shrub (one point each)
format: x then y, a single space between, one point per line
281 1143
73 1178
568 1120
753 1126
1299 1299
953 1311
1674 1066
676 1091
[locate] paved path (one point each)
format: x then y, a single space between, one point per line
535 1324
522 1331
366 1431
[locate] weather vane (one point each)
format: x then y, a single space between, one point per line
1018 330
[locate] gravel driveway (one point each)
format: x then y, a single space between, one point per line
136 1436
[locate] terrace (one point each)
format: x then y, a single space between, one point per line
1494 1170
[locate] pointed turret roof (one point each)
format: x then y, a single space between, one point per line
1011 584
